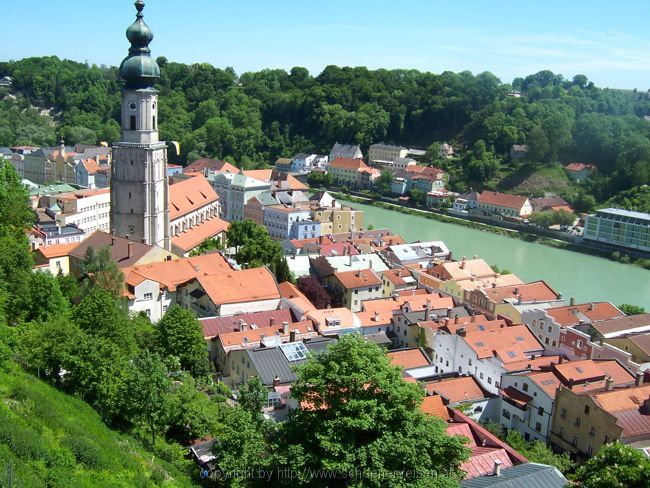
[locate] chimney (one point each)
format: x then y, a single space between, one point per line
427 309
129 247
572 301
272 321
472 319
461 331
591 306
285 328
516 291
497 468
462 263
376 318
456 319
292 335
519 300
609 383
276 380
638 380
494 285
561 360
475 256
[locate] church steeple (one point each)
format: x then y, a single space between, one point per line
139 187
139 69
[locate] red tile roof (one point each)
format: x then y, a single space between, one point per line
189 195
409 358
454 390
509 344
346 163
56 250
578 166
529 292
214 326
192 238
358 279
505 200
217 166
595 312
171 274
247 285
433 405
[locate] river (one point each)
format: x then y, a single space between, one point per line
587 278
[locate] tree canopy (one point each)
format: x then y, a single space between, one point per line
363 417
256 117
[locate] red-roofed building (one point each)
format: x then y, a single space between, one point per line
486 448
584 421
549 325
579 172
484 354
528 398
465 392
191 202
209 166
356 286
496 204
347 171
230 293
512 300
153 288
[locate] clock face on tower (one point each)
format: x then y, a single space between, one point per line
132 229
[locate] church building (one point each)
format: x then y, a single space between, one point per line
139 187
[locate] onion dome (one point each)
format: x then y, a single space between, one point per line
139 69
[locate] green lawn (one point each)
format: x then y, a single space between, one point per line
51 439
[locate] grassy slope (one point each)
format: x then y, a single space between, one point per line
51 439
530 178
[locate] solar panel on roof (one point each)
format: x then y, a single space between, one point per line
579 369
519 339
512 354
548 382
294 351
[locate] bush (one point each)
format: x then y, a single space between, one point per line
87 453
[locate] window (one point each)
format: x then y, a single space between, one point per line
606 439
525 386
587 409
148 312
575 441
132 125
505 413
481 375
590 451
592 431
540 411
563 413
561 433
148 296
538 427
576 422
489 380
164 308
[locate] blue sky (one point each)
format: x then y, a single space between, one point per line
607 40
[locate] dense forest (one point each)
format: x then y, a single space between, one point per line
253 118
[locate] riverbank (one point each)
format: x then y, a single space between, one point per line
576 275
494 228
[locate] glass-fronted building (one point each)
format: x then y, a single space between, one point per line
619 227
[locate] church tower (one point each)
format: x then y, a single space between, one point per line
139 188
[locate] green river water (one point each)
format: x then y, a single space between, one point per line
587 278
